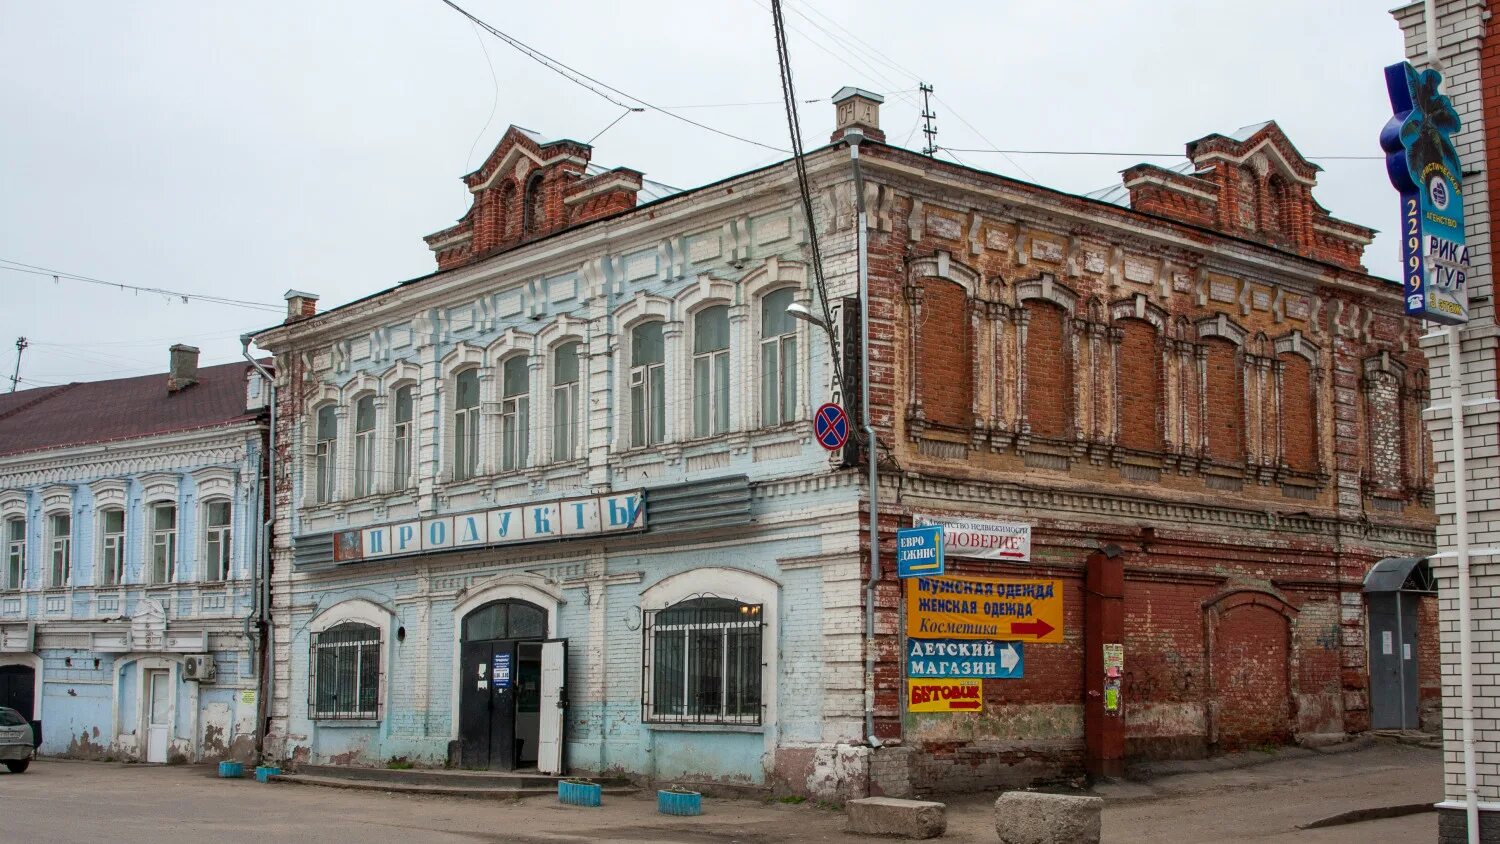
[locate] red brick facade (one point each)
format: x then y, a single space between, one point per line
529 188
1247 438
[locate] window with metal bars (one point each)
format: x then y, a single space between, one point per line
701 663
346 672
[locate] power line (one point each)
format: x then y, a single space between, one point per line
794 127
1137 154
583 80
57 275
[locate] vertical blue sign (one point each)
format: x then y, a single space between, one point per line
1423 165
919 551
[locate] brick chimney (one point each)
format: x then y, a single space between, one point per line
183 372
856 109
300 305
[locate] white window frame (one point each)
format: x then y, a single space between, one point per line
111 548
786 363
466 424
364 448
711 407
402 436
751 619
223 537
515 417
161 538
59 551
644 398
566 423
325 455
15 554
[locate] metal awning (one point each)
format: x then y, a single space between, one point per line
1397 574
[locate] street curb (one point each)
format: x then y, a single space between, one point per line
1372 814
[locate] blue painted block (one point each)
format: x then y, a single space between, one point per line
579 793
231 770
679 803
265 772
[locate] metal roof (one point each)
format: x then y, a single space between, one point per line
650 191
1390 574
1118 194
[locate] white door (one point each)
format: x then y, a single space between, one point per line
159 718
549 757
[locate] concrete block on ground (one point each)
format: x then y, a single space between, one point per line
1030 817
893 816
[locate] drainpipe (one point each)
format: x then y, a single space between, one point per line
1457 443
862 260
262 575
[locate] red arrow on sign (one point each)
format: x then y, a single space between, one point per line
1038 628
963 704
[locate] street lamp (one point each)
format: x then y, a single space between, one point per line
797 310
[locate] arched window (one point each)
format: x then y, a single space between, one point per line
943 353
565 393
163 543
346 672
778 359
648 385
1248 205
704 658
711 371
111 546
1299 418
1049 371
515 413
402 439
1225 394
1140 386
364 446
60 542
535 206
466 424
508 226
15 553
325 454
216 540
507 619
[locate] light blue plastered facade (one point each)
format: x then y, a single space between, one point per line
90 647
797 553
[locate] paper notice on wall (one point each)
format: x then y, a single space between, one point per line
1405 650
247 697
1386 643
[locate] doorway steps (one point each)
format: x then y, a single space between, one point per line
436 782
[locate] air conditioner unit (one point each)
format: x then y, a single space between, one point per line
199 668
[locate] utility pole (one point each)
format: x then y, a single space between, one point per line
928 127
15 377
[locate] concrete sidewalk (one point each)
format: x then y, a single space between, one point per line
91 802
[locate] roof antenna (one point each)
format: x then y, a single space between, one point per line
928 127
15 377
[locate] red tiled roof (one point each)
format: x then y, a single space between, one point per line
121 408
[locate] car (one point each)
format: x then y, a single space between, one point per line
17 742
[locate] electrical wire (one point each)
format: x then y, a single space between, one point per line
494 96
1140 154
583 80
57 275
789 94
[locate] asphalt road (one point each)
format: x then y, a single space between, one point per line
85 802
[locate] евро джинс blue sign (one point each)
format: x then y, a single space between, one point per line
1423 164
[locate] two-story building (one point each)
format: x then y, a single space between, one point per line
558 504
130 516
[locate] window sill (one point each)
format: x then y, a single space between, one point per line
673 727
336 723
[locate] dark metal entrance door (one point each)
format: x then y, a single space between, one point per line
1394 686
18 692
487 705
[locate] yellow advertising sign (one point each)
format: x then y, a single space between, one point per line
984 608
944 695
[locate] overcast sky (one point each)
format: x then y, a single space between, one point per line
241 149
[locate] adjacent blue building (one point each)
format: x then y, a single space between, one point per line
130 514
